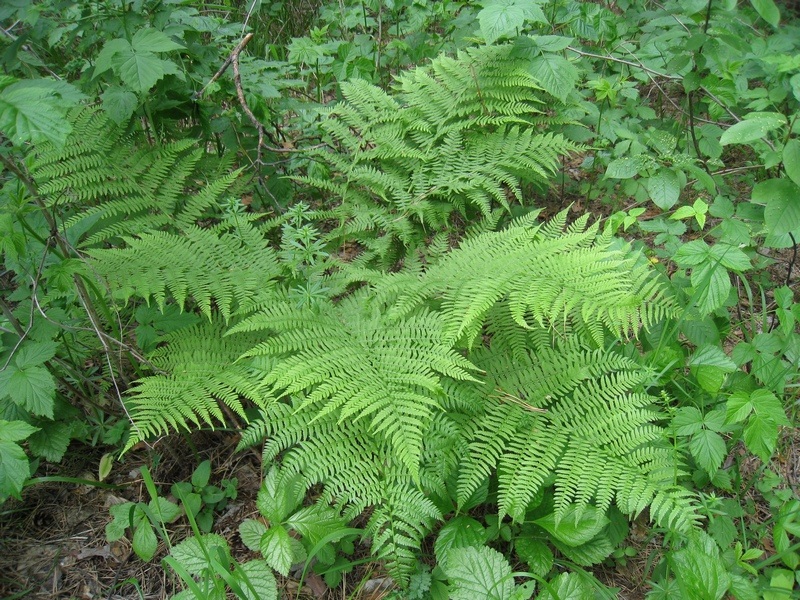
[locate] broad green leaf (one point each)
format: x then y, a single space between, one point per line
105 466
122 515
794 81
760 436
139 70
500 18
144 541
119 103
688 420
153 40
782 200
567 586
279 496
316 522
577 526
164 509
712 285
692 253
664 189
555 74
15 431
713 356
256 580
478 573
767 405
708 449
51 441
32 388
33 354
730 257
251 532
709 378
700 575
14 469
623 168
191 555
752 129
105 59
591 553
768 11
29 113
201 474
277 548
791 160
536 554
460 532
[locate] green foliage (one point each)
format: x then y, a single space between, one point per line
459 136
202 499
14 465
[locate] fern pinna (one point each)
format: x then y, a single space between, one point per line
460 135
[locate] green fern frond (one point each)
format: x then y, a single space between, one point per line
359 364
461 134
234 269
199 369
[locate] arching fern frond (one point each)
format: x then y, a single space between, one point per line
358 364
462 134
229 266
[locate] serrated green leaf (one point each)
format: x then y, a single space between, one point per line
760 436
256 580
190 553
782 200
555 74
712 286
15 431
708 449
750 130
791 160
277 549
279 496
536 554
578 525
688 420
139 70
52 441
119 103
478 573
591 553
153 40
32 388
500 18
700 575
31 113
766 404
251 532
460 532
664 189
768 11
567 586
14 470
712 356
33 354
144 541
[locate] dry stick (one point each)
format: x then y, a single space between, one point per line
83 293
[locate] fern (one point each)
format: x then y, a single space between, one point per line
111 183
229 265
462 134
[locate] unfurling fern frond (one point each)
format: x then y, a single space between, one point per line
462 134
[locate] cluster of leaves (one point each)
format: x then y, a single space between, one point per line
424 394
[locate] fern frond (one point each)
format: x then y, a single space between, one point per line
198 371
235 270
